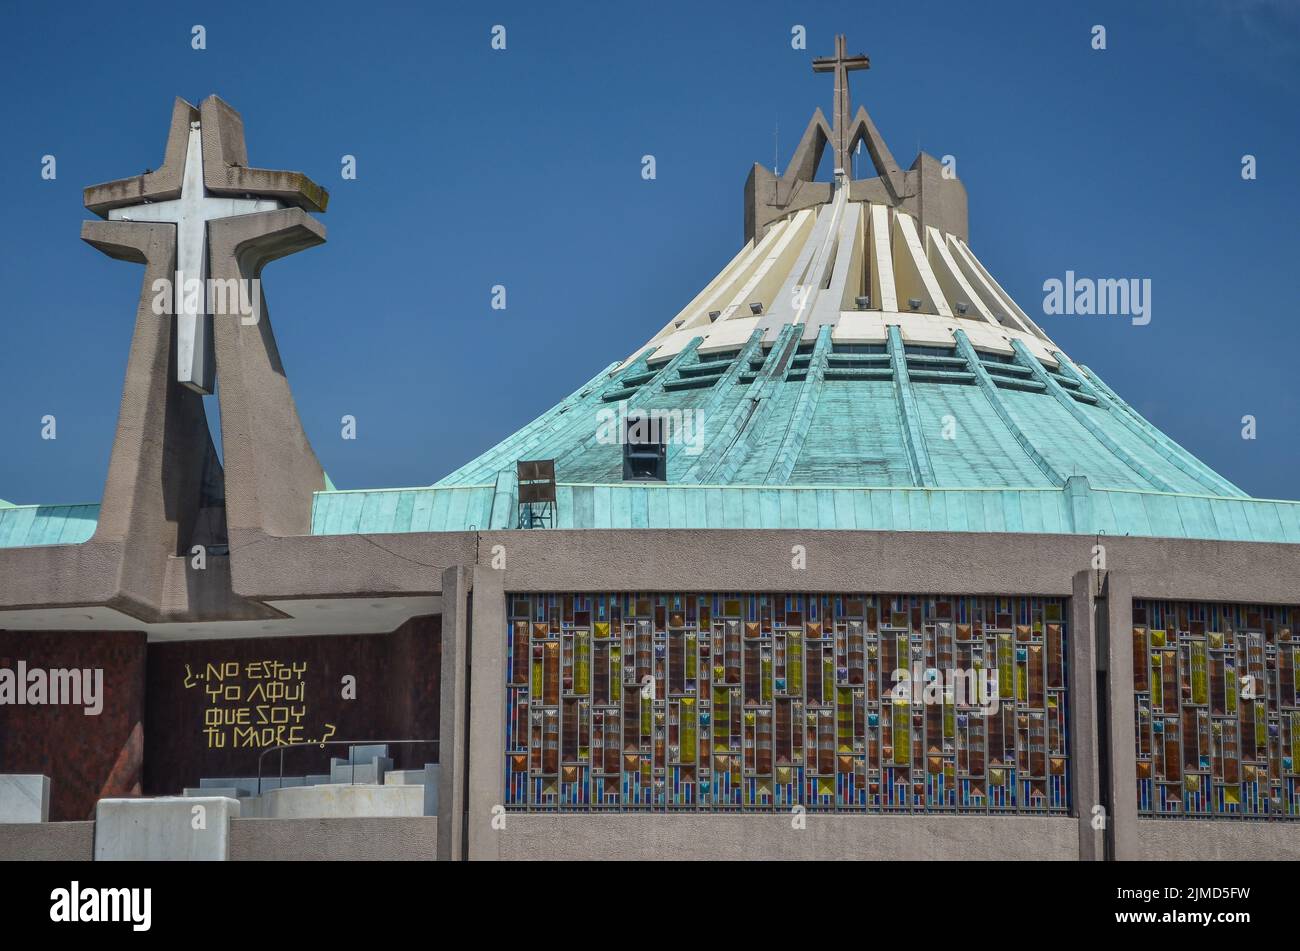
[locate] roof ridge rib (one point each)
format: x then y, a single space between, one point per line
918 456
801 414
721 389
1025 358
750 409
1160 441
990 389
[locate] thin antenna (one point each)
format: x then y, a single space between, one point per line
776 148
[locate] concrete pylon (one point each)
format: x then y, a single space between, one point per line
167 491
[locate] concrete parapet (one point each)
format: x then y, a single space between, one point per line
47 841
343 801
168 829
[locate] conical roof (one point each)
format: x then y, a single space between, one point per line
857 340
854 366
849 347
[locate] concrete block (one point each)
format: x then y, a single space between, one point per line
163 829
427 777
337 801
227 792
247 785
24 797
341 771
365 754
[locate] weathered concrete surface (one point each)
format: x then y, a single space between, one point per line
427 777
759 560
338 801
271 470
753 837
413 839
1083 710
1198 840
163 829
453 713
1117 628
487 727
225 163
24 797
47 842
162 185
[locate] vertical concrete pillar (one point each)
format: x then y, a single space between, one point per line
1084 735
1122 752
454 679
487 821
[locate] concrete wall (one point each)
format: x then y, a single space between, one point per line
297 840
86 757
47 842
317 840
696 837
396 697
1209 840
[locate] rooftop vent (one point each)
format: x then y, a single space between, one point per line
536 478
756 308
645 453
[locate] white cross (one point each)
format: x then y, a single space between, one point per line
191 213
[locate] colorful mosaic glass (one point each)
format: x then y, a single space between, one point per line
759 702
1216 709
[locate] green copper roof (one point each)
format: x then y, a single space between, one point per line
1072 509
831 438
812 435
24 525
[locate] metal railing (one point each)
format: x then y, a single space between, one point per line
350 744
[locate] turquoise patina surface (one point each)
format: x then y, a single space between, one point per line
816 435
809 434
25 525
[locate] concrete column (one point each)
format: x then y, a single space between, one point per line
1122 754
1083 714
488 729
454 680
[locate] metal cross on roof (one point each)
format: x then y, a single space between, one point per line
841 64
191 212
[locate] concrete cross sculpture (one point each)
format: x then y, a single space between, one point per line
841 64
204 216
195 367
190 211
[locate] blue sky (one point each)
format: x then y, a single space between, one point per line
522 168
